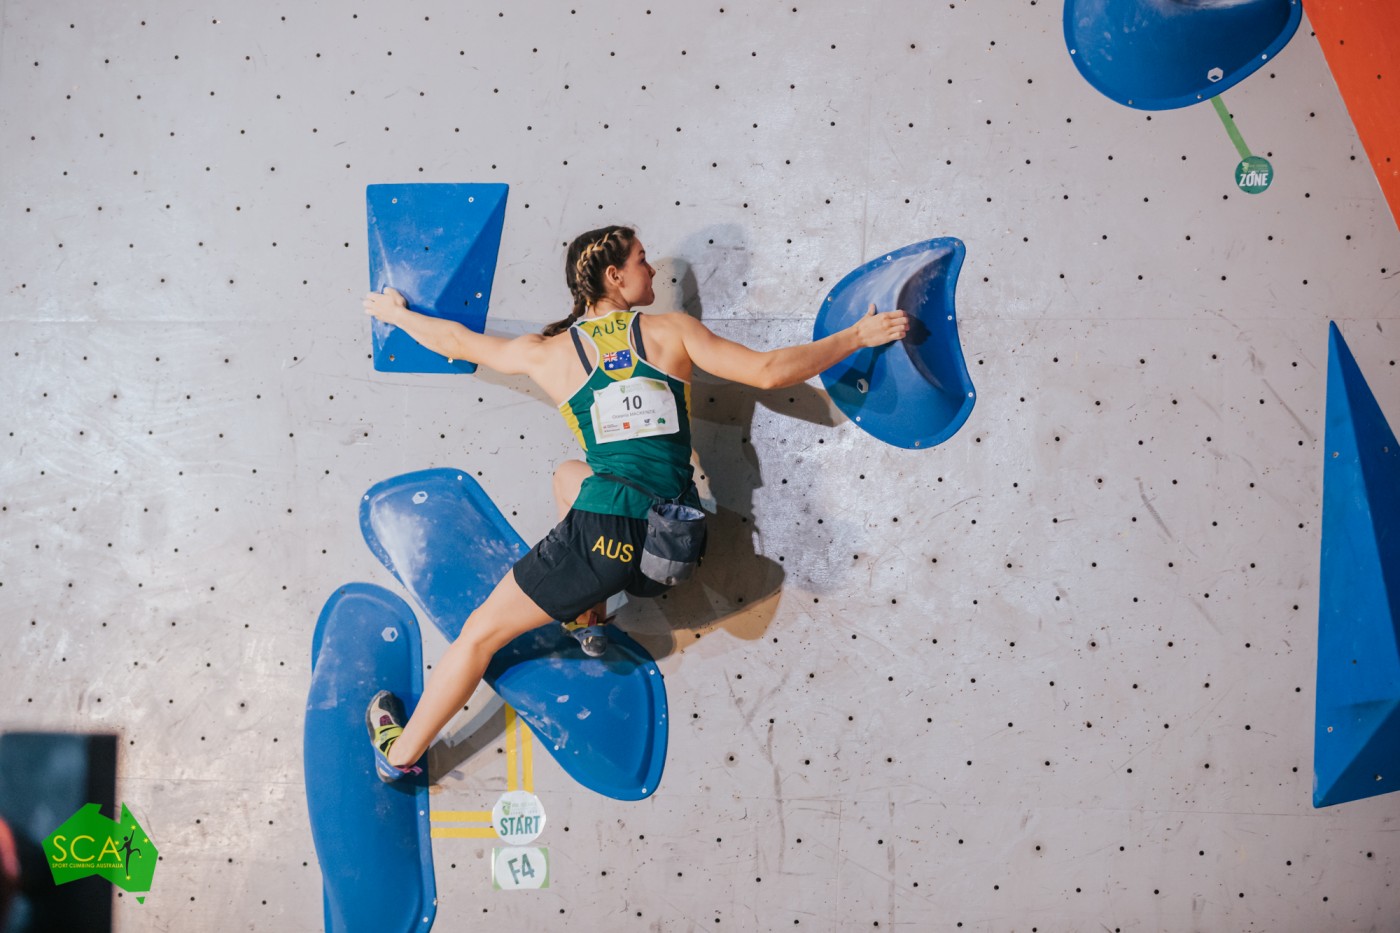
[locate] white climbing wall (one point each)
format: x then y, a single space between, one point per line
1055 674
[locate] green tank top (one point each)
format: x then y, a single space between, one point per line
631 419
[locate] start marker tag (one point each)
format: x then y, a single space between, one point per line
518 817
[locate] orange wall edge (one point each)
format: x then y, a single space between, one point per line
1361 40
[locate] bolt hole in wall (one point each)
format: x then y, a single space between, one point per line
990 714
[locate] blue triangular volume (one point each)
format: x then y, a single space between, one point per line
1160 54
603 719
437 245
1355 749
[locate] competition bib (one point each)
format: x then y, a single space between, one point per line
636 407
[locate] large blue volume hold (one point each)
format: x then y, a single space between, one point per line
914 393
373 840
1161 54
603 719
1356 745
437 245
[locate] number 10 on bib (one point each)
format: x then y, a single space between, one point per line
636 407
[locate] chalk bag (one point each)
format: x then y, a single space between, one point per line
675 542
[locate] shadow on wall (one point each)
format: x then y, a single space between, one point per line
453 759
737 588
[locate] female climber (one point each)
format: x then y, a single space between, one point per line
594 551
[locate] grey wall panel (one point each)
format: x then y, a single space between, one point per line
1054 674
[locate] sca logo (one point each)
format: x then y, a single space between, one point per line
88 843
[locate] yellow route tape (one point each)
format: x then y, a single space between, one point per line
462 816
468 832
527 754
512 782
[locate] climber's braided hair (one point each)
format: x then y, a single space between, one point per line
584 264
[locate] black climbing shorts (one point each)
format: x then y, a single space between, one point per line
585 559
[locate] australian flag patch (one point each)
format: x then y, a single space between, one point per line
619 359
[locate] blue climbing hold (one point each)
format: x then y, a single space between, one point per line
1161 54
437 245
373 840
914 393
1356 746
603 719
